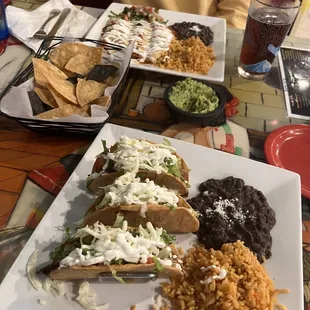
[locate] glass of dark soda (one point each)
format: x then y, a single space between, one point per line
267 26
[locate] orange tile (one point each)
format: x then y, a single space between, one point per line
39 145
6 155
30 163
7 173
62 150
306 237
8 201
14 185
54 165
9 135
307 225
24 143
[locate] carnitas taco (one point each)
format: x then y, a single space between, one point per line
141 202
97 249
147 160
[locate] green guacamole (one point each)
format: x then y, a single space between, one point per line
194 97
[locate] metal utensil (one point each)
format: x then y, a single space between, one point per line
41 34
129 277
56 27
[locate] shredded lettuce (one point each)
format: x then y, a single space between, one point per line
173 208
117 261
105 200
119 221
158 266
173 168
166 142
105 148
116 277
67 232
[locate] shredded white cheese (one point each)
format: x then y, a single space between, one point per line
55 287
128 190
227 209
132 155
32 272
86 298
161 302
143 210
118 243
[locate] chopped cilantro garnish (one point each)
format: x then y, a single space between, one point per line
168 239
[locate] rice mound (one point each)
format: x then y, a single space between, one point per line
246 285
190 55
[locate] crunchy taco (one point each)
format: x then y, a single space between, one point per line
97 249
141 202
147 160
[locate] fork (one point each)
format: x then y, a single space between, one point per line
41 34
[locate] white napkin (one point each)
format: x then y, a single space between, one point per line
23 24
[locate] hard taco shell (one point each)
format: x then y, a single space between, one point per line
89 272
162 179
180 220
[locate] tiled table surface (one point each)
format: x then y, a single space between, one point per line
261 108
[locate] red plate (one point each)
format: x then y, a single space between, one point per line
288 147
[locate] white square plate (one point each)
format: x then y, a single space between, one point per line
217 25
281 187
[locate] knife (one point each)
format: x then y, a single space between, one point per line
56 27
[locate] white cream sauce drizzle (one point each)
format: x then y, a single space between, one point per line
221 274
151 38
118 243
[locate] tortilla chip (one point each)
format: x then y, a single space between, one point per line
43 70
80 111
112 80
46 96
60 100
65 51
63 87
88 91
82 63
103 101
63 111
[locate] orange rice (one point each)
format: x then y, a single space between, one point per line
189 55
246 285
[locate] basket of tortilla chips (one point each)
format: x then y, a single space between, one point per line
70 87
